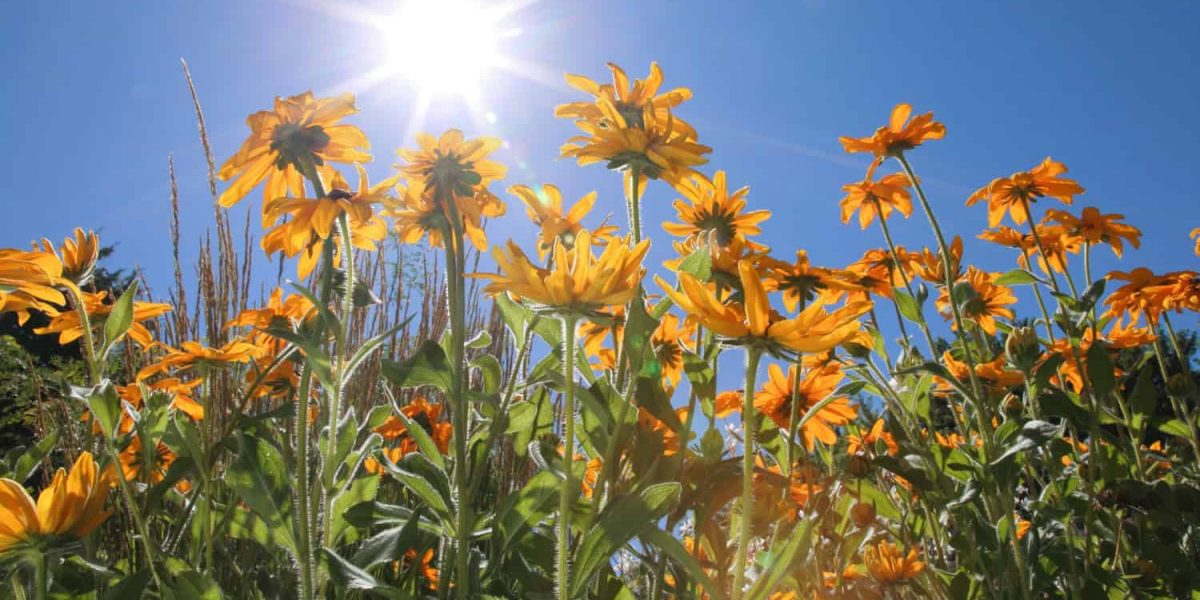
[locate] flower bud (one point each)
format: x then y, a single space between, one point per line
862 514
1022 348
859 466
1011 405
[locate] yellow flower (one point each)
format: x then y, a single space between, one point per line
1009 194
450 164
774 399
629 100
292 311
859 443
545 209
27 282
179 390
133 461
710 209
301 224
869 198
578 281
986 300
192 354
300 130
78 255
890 565
900 134
802 281
68 327
1195 235
71 506
723 260
753 322
1096 228
672 336
658 149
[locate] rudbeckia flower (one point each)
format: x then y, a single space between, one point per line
899 135
870 198
986 302
98 305
630 100
179 390
78 255
711 209
859 443
929 266
775 397
889 565
191 355
578 281
1009 195
27 283
301 224
1095 228
300 130
134 466
658 149
545 208
71 507
800 281
451 164
752 322
426 414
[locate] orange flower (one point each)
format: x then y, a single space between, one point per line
879 272
1010 194
299 131
775 401
301 224
78 255
657 147
858 444
1096 228
1143 292
889 565
179 390
591 474
426 414
545 209
628 99
753 321
993 373
985 302
27 282
1195 235
69 328
72 505
727 403
133 459
900 134
1054 238
871 198
651 424
802 281
425 566
669 340
711 210
290 312
192 354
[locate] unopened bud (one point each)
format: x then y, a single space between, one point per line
862 514
1022 348
859 466
1011 405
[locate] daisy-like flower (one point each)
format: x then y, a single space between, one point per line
672 336
880 272
657 149
871 198
899 135
994 373
426 414
774 399
1095 228
545 208
801 282
179 390
451 164
1054 240
193 355
928 264
651 425
865 441
752 322
723 260
710 209
299 225
288 312
300 133
1010 195
579 282
70 508
98 306
134 464
986 300
889 565
28 282
629 100
78 255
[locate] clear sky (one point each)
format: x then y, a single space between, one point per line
92 101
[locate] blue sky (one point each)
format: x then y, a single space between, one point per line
93 101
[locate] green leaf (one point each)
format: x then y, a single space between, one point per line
120 318
519 512
627 517
1033 434
1100 369
908 305
388 544
105 405
185 583
698 263
1144 398
781 559
351 577
263 482
360 490
490 370
1175 427
428 366
367 348
1017 277
31 459
424 443
430 483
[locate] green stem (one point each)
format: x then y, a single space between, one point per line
1176 403
634 204
303 492
339 390
40 580
887 236
563 574
749 428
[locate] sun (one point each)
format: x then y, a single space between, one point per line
445 47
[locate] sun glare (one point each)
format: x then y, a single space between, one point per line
443 46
